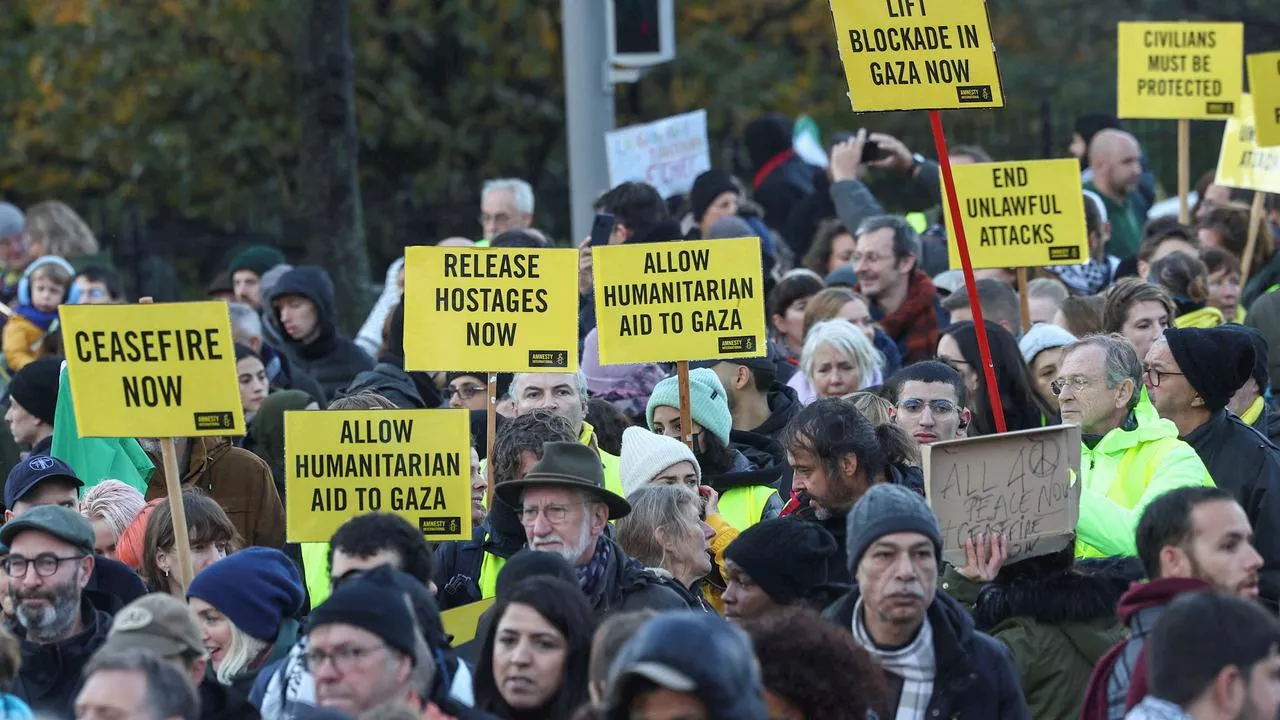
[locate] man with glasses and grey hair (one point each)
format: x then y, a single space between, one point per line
505 204
1129 454
49 561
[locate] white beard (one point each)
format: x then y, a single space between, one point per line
574 552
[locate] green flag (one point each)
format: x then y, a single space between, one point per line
96 459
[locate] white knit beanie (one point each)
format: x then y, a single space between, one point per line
645 454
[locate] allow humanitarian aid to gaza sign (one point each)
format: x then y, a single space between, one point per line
695 300
1241 163
1020 214
917 54
1179 70
667 154
154 370
343 463
499 310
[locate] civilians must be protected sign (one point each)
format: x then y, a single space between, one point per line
1179 70
413 463
917 54
152 371
498 310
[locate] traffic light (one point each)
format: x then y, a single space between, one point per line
641 32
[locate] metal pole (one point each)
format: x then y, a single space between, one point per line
588 102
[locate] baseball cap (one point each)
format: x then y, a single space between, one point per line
697 653
158 622
757 363
63 523
33 471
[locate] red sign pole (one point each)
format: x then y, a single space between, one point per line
953 206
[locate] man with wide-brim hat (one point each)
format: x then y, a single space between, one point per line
564 507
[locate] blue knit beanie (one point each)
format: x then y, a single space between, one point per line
256 588
709 405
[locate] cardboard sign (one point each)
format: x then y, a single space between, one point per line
668 154
1022 484
696 300
1179 70
1264 87
500 310
917 54
1241 163
342 463
152 371
1020 214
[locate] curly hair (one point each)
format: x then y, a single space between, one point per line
797 650
526 433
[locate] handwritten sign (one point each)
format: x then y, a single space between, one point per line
1021 214
152 371
504 310
668 154
917 54
414 463
1241 163
1179 70
1264 86
690 300
1022 484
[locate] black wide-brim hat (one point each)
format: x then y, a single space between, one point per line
568 465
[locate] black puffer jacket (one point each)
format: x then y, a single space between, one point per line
389 381
784 404
333 360
52 675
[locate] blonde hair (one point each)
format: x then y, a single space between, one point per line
53 272
59 230
657 509
113 502
873 407
244 649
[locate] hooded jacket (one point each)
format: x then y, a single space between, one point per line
1124 471
330 358
52 675
285 376
391 382
219 702
781 178
784 404
1244 462
369 338
1117 676
975 674
1056 626
237 480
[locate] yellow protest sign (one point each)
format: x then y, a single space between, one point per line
1264 87
696 300
152 371
1241 163
1179 70
501 310
1020 214
413 463
917 54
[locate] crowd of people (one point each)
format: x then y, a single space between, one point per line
782 564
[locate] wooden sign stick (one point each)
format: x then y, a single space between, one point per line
1184 171
686 413
491 429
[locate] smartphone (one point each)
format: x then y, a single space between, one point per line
601 229
870 152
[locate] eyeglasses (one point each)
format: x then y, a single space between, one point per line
344 657
1078 384
872 258
556 514
15 566
916 406
467 392
1153 376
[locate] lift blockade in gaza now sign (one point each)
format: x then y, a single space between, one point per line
164 370
342 463
1021 214
917 54
695 300
1179 70
500 310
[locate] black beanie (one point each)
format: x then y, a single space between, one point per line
531 563
786 557
35 387
1215 361
706 188
1261 355
373 606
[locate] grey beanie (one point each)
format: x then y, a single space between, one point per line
12 221
1043 336
888 509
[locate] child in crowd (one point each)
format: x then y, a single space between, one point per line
44 286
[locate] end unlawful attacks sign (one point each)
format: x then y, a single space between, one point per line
1241 163
153 371
692 300
917 54
500 310
341 463
1021 214
1179 70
